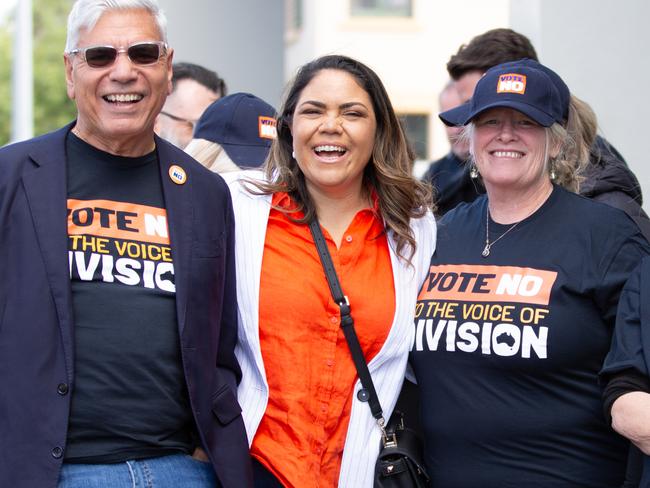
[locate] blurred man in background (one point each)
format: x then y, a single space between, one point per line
450 175
193 89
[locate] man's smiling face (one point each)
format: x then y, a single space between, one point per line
117 104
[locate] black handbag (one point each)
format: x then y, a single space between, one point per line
400 461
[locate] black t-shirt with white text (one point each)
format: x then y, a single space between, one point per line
129 398
508 347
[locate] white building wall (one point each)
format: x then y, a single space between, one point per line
409 55
599 47
243 41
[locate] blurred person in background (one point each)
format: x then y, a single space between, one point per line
449 176
193 89
234 132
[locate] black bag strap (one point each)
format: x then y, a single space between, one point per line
347 323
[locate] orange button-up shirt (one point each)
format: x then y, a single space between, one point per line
308 365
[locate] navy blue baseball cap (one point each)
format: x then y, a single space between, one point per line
524 85
562 88
243 124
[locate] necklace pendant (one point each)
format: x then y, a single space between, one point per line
486 251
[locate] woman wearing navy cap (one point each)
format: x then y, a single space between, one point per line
515 317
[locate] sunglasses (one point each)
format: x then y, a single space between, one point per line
142 54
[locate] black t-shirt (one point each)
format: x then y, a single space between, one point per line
129 398
507 348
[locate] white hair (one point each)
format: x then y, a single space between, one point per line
86 13
211 155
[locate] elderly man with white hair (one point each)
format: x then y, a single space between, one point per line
117 298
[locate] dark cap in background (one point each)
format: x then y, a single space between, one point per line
243 124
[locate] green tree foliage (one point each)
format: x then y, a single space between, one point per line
52 108
5 84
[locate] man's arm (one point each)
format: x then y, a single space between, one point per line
226 361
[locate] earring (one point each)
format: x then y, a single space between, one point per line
552 172
473 171
293 154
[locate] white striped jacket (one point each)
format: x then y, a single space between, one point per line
387 367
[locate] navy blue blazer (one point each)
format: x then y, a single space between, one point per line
37 327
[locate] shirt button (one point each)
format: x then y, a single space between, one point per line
348 238
62 389
329 363
323 408
334 319
57 452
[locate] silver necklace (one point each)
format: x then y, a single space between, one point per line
488 244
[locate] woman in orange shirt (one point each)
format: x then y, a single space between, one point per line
341 157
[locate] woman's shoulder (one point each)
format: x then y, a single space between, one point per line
242 182
597 216
424 231
234 179
464 212
605 233
424 223
246 196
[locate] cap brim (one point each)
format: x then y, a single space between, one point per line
455 116
462 114
247 156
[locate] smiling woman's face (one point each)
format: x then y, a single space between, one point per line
509 150
333 129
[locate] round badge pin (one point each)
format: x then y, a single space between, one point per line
177 174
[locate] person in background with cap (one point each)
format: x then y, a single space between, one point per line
234 132
516 315
117 292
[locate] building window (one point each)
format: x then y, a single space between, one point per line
381 8
417 132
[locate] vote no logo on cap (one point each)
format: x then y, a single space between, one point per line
512 83
177 174
267 127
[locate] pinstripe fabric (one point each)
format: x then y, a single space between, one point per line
387 367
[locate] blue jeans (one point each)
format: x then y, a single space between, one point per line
174 471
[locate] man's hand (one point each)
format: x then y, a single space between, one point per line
200 455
